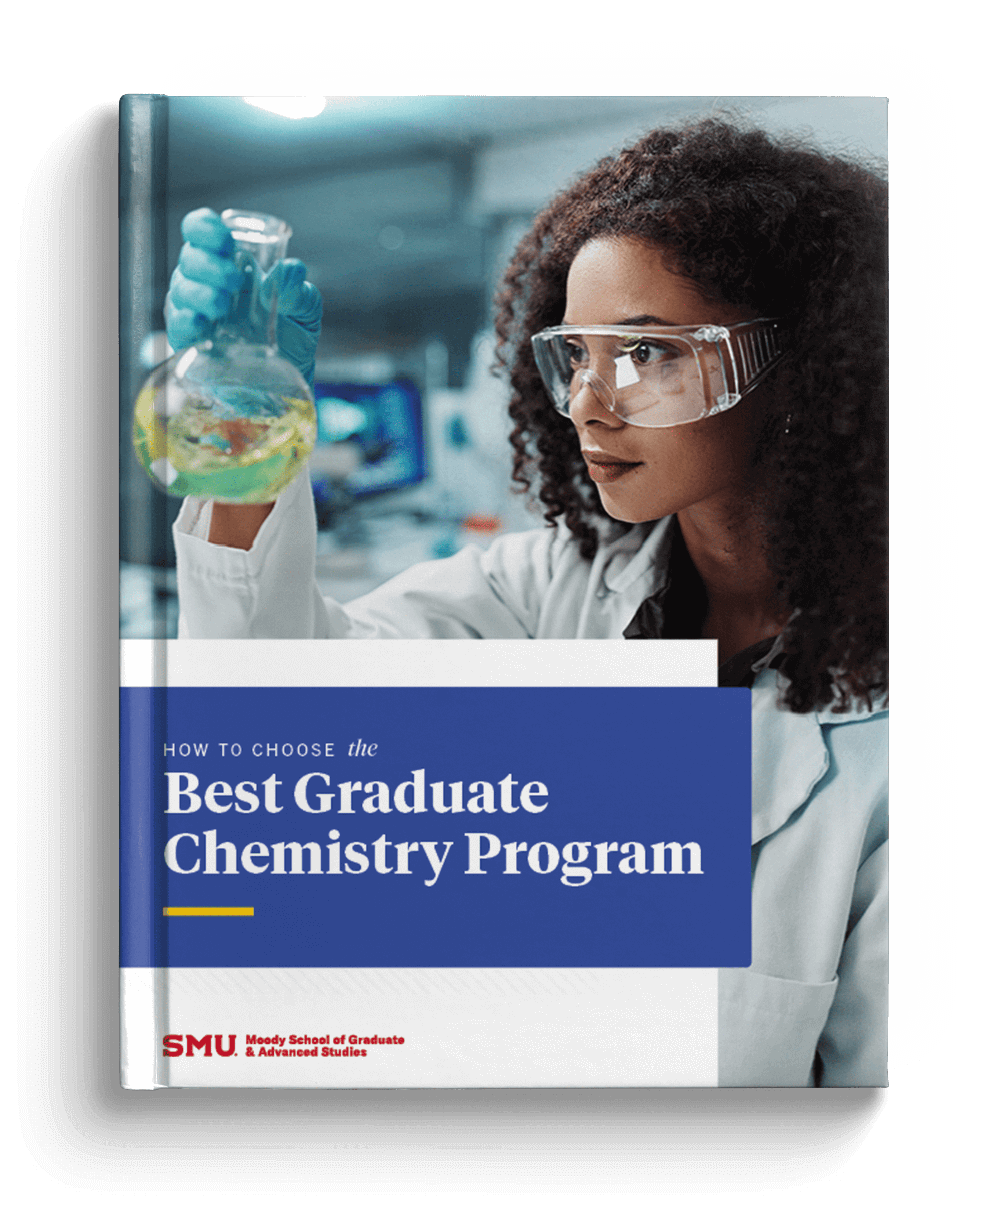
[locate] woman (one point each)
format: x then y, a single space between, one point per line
703 403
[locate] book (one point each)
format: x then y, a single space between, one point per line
195 988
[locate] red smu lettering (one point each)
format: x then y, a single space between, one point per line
174 1045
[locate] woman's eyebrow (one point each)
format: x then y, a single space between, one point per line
641 320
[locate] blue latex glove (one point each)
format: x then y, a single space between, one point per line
206 278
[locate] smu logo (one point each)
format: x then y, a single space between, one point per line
174 1045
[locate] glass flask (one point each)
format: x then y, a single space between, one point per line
230 419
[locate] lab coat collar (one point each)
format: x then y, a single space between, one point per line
790 757
790 752
644 551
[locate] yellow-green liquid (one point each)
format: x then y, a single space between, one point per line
247 460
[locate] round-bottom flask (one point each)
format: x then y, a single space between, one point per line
230 419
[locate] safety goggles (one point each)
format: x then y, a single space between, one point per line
656 377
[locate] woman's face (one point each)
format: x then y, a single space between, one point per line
643 474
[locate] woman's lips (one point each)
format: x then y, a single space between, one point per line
604 468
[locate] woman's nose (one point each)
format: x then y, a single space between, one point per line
594 400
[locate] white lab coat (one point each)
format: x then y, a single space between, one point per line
812 1006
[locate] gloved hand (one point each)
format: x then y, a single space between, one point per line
206 278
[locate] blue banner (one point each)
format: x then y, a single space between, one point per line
435 827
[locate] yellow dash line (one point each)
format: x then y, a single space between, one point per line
208 910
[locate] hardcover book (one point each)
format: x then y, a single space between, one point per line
503 666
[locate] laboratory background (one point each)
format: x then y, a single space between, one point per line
405 211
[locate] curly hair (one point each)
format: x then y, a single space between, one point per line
789 231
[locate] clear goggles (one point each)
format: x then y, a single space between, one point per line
656 377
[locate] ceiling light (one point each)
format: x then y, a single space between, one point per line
290 107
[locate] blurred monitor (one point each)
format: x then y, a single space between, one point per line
370 437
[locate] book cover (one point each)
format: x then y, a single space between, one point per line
420 863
